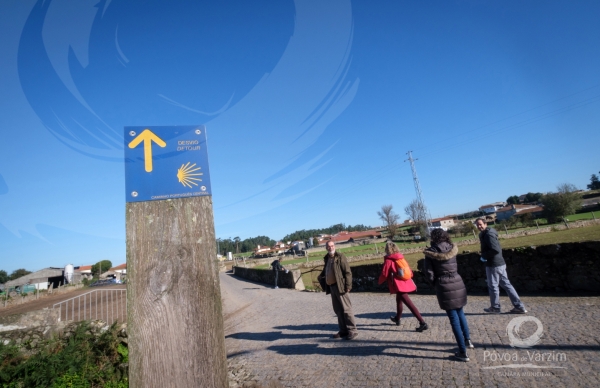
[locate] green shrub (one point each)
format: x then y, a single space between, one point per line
81 360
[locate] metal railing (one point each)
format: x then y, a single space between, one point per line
106 305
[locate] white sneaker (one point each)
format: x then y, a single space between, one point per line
275 287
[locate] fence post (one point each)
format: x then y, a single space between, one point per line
175 319
566 223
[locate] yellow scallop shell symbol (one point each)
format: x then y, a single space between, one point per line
187 174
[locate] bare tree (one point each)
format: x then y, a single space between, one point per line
416 211
387 215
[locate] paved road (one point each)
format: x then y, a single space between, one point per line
280 338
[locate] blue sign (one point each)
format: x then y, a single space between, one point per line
166 163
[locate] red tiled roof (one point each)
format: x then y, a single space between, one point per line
520 208
531 210
118 267
345 236
85 268
442 219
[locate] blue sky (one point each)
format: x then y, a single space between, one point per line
310 109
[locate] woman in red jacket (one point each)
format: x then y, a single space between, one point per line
391 273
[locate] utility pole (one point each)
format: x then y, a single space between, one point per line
422 209
174 311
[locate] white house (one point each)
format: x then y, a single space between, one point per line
492 207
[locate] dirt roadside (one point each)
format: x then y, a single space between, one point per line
47 301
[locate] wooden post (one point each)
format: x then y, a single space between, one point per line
566 223
175 319
505 230
536 224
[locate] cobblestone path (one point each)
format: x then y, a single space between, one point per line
281 338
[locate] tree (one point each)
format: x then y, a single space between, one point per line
237 244
526 219
416 211
560 204
512 200
510 222
470 228
303 235
18 273
533 197
3 276
101 267
463 228
387 215
594 183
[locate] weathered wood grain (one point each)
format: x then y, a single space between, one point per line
175 320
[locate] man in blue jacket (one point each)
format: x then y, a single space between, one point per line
495 269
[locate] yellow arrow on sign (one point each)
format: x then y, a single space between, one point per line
147 136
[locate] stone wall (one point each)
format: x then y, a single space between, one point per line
29 329
292 279
568 267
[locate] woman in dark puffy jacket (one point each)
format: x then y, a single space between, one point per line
441 270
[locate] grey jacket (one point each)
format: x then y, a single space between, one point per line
343 274
441 270
490 248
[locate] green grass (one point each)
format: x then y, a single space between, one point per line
583 216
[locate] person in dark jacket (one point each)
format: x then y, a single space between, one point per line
391 273
495 269
336 276
441 270
276 265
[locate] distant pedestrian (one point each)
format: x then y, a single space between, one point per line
337 278
441 270
276 266
398 275
495 269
